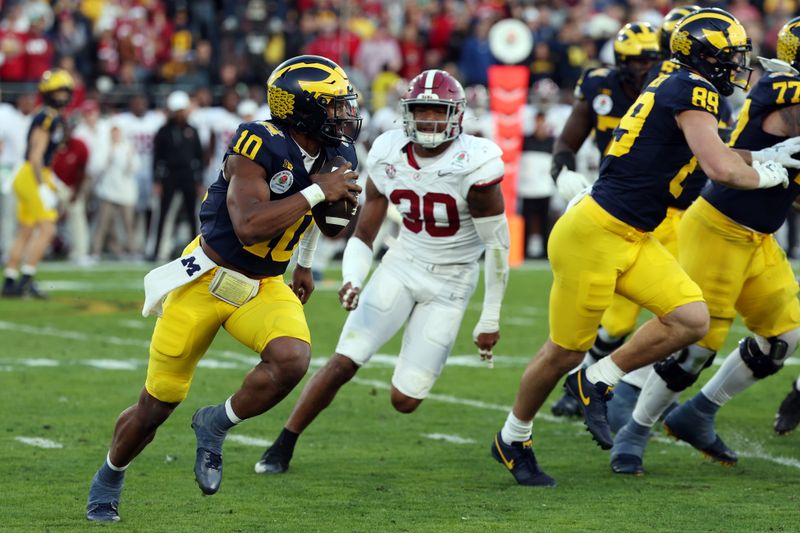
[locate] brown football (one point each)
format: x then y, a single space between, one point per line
333 217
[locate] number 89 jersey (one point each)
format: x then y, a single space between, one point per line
270 146
649 158
432 195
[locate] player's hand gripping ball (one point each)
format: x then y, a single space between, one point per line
333 217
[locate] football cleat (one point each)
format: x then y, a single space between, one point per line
627 464
208 462
688 424
788 415
519 459
29 289
565 406
593 399
274 461
102 512
11 289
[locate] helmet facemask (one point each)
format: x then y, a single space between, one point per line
343 122
727 69
433 132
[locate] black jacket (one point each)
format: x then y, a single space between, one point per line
177 154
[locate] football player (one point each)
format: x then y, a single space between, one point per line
231 275
604 245
726 244
603 95
619 320
36 189
445 183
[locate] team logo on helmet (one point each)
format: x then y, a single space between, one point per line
789 42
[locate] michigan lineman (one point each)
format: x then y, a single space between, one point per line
604 245
727 246
446 184
35 187
231 275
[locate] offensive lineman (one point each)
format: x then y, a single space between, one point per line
727 245
231 275
445 183
604 245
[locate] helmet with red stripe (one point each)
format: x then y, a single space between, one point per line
433 88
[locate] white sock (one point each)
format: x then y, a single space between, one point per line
11 273
115 468
515 430
229 411
653 400
588 360
638 377
28 270
604 370
797 383
733 377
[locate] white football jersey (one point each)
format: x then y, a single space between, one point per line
223 125
140 132
432 196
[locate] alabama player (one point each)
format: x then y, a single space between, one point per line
445 183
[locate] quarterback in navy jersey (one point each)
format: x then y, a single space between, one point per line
603 245
231 275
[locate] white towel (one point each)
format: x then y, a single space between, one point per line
159 282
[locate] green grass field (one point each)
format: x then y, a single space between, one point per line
71 364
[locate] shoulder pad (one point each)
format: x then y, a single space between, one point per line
384 144
480 150
601 72
259 141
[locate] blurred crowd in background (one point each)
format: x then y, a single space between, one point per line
131 57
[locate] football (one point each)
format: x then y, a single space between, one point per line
333 217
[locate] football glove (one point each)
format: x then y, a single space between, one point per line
570 184
781 153
770 174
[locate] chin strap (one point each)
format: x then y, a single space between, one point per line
493 232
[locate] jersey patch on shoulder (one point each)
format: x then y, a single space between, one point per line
271 129
602 104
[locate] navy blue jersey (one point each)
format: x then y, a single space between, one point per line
602 89
763 210
649 160
270 146
50 121
665 66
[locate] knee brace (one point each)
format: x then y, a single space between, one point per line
604 344
765 364
680 370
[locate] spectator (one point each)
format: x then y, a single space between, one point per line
535 187
118 195
379 53
177 165
69 164
475 55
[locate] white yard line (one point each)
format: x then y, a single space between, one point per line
453 439
249 441
40 442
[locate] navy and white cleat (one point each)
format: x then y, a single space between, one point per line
519 459
593 398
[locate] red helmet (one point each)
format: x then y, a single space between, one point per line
434 87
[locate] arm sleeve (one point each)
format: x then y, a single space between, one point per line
493 232
356 262
307 247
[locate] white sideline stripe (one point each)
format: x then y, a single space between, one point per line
134 324
453 439
111 364
40 442
249 441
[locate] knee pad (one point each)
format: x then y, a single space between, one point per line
681 370
763 364
412 381
676 378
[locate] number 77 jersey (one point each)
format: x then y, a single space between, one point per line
649 158
431 194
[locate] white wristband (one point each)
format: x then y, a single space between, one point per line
313 194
